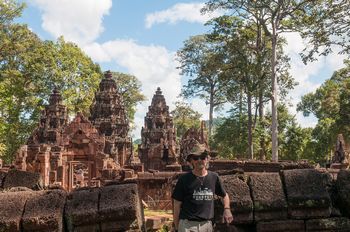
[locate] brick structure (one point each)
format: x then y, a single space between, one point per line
108 115
158 150
76 154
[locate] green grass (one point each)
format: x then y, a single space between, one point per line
149 213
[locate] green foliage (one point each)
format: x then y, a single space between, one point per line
130 89
321 144
29 70
330 104
326 27
10 9
231 137
200 59
73 72
184 118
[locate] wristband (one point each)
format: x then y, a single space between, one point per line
228 208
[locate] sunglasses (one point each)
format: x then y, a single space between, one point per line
195 158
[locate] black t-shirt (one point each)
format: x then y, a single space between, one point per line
197 195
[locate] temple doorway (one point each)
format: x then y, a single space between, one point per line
79 173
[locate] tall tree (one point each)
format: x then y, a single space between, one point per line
130 89
185 118
275 17
246 66
198 58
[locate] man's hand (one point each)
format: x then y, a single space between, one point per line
227 216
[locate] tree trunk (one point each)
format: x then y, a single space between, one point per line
250 131
274 99
262 152
211 110
259 42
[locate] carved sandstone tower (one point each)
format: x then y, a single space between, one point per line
35 156
158 150
109 117
52 122
59 150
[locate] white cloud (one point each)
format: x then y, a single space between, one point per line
154 66
189 12
307 75
79 21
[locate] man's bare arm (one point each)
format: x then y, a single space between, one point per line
227 216
177 207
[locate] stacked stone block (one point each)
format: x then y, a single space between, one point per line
292 200
120 208
343 190
241 202
81 212
109 208
11 209
307 194
44 211
15 178
268 197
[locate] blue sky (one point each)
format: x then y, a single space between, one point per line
142 37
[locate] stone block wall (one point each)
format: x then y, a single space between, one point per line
292 200
16 178
255 165
109 208
155 189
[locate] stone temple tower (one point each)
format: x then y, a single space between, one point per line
158 150
52 121
109 117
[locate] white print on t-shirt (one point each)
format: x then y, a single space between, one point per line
203 194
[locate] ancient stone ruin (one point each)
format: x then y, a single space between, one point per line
78 153
108 115
158 150
190 138
340 160
93 182
290 200
109 208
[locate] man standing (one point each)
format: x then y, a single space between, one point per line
194 195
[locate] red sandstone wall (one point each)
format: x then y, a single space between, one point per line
110 208
155 189
292 200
